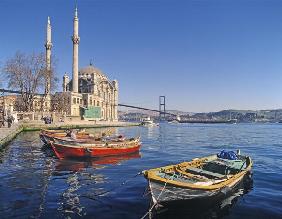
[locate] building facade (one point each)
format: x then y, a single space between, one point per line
89 94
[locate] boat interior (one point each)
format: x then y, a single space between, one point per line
211 169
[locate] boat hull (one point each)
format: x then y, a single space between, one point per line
169 195
72 151
44 139
206 178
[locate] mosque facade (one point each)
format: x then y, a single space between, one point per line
89 94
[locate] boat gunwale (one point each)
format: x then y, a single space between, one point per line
85 142
151 175
131 144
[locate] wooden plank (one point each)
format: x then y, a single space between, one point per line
205 172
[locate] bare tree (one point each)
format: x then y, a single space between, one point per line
28 74
61 102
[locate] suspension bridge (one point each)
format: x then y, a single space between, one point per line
162 103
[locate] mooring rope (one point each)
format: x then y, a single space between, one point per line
123 183
153 206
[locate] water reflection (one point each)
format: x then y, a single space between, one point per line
83 180
96 163
200 209
34 184
70 202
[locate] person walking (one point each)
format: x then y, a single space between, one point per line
10 121
2 119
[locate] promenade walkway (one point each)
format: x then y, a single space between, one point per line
7 134
37 125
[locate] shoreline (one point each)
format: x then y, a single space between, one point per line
8 134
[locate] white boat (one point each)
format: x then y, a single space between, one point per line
148 122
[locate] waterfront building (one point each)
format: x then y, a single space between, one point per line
88 95
7 103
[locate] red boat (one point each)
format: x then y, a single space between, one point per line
67 149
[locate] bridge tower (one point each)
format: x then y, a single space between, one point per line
162 115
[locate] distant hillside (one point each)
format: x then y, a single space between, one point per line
272 115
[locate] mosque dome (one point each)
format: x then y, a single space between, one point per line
89 72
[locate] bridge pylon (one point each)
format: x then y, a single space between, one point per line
162 109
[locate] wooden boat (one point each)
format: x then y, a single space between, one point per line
207 178
67 148
47 135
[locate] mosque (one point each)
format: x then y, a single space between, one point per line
90 93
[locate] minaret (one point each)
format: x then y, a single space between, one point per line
65 82
115 100
48 46
75 40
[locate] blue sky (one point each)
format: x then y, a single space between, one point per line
204 55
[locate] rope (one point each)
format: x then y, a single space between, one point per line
242 166
153 206
123 183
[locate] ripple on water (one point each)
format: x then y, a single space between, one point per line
35 184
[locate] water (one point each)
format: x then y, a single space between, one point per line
34 184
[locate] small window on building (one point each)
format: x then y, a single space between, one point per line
81 101
94 102
77 100
98 103
74 102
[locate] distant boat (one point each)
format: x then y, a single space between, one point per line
148 122
173 122
201 179
209 121
233 121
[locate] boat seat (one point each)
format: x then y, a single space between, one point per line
205 172
231 164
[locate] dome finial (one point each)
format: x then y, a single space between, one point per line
75 12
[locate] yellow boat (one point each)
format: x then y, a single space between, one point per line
203 179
